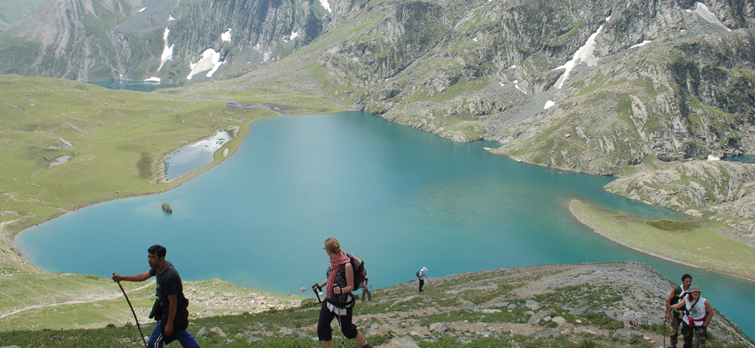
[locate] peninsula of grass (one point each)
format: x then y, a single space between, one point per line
696 242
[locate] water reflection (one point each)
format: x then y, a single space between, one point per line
195 156
138 86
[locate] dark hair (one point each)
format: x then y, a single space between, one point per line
685 276
158 250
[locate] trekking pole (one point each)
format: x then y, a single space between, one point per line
665 319
134 313
317 293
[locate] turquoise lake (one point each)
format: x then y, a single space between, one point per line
138 86
398 197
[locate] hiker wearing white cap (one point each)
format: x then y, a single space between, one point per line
676 316
421 276
697 315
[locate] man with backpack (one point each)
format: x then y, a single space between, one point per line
170 308
676 316
421 276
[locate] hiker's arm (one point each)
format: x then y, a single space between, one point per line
680 304
349 281
668 304
710 311
132 278
171 314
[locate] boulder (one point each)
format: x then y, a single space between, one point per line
552 332
438 327
559 320
218 331
400 342
625 334
203 331
581 309
579 330
532 304
634 320
534 319
613 314
464 304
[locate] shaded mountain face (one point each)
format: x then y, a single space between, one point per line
166 40
585 85
14 11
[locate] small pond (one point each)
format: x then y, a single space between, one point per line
197 155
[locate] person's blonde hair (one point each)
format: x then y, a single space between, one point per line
332 246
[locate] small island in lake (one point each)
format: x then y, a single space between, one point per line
167 208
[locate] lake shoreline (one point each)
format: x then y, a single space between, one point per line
240 134
580 216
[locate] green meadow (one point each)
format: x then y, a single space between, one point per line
694 242
117 141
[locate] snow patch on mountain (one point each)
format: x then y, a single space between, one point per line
294 35
226 37
142 10
583 54
549 104
210 61
167 50
641 44
707 15
325 5
153 79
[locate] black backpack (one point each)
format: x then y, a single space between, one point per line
357 264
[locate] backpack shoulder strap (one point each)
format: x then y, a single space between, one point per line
686 311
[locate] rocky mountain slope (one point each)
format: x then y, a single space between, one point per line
724 191
588 86
589 305
580 85
163 39
584 85
14 11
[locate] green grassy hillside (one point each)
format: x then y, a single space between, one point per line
117 140
538 306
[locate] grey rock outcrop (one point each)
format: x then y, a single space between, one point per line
634 319
625 334
723 189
